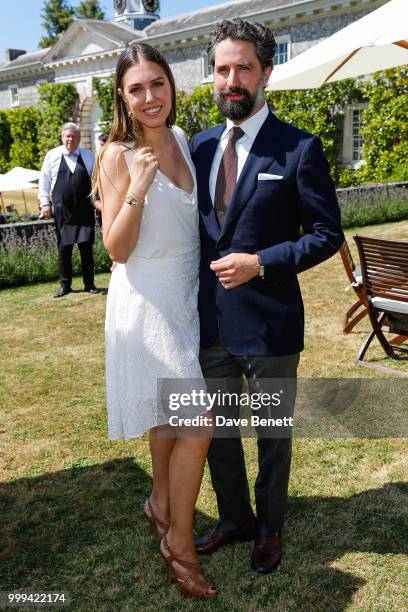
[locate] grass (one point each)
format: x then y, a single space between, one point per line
70 500
16 199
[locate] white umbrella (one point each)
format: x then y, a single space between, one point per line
375 42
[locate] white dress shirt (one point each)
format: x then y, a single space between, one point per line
251 128
50 167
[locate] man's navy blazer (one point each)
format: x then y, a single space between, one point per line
292 223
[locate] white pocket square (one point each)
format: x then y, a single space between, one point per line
264 176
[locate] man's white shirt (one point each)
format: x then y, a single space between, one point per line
251 128
51 164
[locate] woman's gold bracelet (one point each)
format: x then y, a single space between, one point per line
134 202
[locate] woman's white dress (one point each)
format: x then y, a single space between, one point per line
152 327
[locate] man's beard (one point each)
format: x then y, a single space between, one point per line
237 109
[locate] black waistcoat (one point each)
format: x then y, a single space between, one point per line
73 210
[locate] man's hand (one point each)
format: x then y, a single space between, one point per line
235 269
46 212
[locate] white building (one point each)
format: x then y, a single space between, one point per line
90 48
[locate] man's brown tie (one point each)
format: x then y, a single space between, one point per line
227 175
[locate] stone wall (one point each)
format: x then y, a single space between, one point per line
185 63
371 193
27 230
27 90
309 34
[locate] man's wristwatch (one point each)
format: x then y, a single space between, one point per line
261 270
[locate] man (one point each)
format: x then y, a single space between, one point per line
102 139
259 181
65 174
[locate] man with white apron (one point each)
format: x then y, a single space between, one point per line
65 174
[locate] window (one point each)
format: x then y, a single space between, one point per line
207 70
282 53
15 101
352 154
357 139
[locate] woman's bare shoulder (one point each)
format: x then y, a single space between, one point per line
114 150
114 156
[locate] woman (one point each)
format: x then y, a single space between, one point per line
150 228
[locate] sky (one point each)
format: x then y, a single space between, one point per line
20 24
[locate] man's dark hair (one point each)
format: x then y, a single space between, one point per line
238 29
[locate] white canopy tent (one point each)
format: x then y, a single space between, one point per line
23 174
375 42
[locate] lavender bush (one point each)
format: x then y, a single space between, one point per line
370 206
28 260
32 260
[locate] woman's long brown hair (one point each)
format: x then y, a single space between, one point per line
124 128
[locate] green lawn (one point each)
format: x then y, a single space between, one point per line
71 501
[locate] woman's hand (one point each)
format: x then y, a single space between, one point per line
143 171
121 223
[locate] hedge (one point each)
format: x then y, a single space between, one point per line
58 103
319 111
27 133
385 127
104 92
5 141
24 123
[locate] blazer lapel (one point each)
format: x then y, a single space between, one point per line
259 159
203 168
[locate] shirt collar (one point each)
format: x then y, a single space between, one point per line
74 153
252 125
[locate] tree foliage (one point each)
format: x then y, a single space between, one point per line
5 141
197 111
105 94
90 9
57 105
57 16
24 134
385 127
318 111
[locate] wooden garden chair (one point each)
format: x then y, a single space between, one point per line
384 268
359 309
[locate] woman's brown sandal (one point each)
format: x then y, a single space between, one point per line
157 527
190 579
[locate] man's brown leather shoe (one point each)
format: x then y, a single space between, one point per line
267 553
212 540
